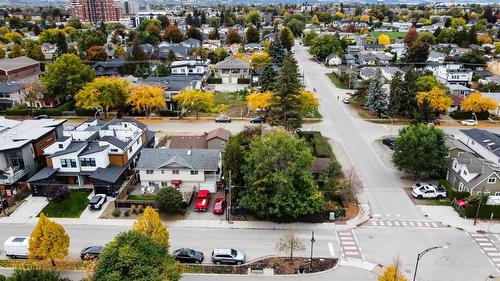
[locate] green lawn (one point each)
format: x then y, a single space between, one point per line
71 207
335 80
231 99
393 35
143 197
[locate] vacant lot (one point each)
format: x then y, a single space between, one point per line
393 35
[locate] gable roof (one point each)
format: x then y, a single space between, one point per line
74 146
219 133
232 62
198 159
16 63
487 139
187 142
115 141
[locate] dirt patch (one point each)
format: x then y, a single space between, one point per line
280 265
351 211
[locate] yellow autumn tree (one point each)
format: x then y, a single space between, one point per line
146 98
364 30
477 103
119 51
48 241
241 57
104 92
364 18
197 100
261 101
393 273
315 20
384 39
150 224
308 101
339 15
484 39
438 99
260 59
266 45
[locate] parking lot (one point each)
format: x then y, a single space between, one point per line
192 214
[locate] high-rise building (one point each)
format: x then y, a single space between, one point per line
95 11
129 7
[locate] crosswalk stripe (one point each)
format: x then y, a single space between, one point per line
396 223
349 247
490 249
345 233
330 248
352 253
496 259
411 223
434 224
404 223
485 244
481 239
493 254
347 238
381 223
476 235
389 223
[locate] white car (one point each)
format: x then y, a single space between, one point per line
346 100
469 122
16 247
420 184
429 192
97 201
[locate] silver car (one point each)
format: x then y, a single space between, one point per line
227 256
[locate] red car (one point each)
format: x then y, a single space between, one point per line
219 206
202 200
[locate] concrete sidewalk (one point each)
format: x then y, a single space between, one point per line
30 208
362 216
448 216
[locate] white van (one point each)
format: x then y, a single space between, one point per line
16 247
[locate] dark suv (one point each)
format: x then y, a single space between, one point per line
188 255
90 253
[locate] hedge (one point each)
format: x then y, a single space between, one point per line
452 193
484 212
320 145
168 113
468 115
243 81
213 80
58 111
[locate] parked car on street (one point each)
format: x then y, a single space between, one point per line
202 200
435 122
227 256
16 247
469 122
429 192
187 255
219 206
43 116
346 100
97 201
90 253
258 119
223 118
389 142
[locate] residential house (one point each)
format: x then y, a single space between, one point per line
112 67
453 74
11 94
186 169
388 72
164 49
196 66
382 58
191 43
231 69
373 47
49 50
174 84
368 72
215 139
333 59
468 172
94 154
496 97
459 90
350 59
21 149
354 49
399 49
402 26
253 47
483 142
19 68
366 58
436 57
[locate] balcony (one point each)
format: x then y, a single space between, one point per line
15 177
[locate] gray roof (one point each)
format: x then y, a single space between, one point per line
9 87
487 139
16 63
474 165
197 159
232 62
44 173
109 174
368 71
93 147
174 82
118 62
74 146
114 141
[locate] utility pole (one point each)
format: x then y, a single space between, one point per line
229 198
479 205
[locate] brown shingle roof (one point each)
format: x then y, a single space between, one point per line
188 142
219 133
16 63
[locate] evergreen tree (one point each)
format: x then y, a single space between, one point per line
396 94
473 35
409 100
61 44
277 52
267 78
137 58
424 111
377 100
285 105
287 39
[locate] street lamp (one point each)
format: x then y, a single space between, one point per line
421 254
312 247
97 111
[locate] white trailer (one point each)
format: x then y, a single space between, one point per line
16 247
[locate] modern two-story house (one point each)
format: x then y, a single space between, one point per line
192 66
232 69
183 168
94 154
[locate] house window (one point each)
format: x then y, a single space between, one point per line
175 172
164 183
60 145
130 150
114 150
149 172
64 163
492 180
137 142
497 193
460 186
163 171
455 165
194 172
87 162
465 172
151 183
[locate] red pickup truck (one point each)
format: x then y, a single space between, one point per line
202 200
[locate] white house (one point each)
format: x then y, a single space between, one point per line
333 59
183 168
196 66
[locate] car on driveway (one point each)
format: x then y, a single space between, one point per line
91 253
389 143
97 201
346 100
429 192
258 119
469 122
187 255
223 118
420 184
219 206
228 256
202 200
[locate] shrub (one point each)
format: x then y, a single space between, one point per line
468 115
133 208
452 193
126 213
213 80
58 194
168 113
243 81
116 213
169 200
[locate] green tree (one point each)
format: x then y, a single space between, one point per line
48 241
279 183
16 51
277 52
252 35
309 37
34 274
397 94
169 200
287 39
104 92
136 58
377 100
325 45
267 78
195 33
33 50
425 83
417 52
91 37
66 76
254 18
420 150
134 256
61 44
285 105
2 52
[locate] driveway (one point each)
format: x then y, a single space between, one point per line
192 214
30 208
95 214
